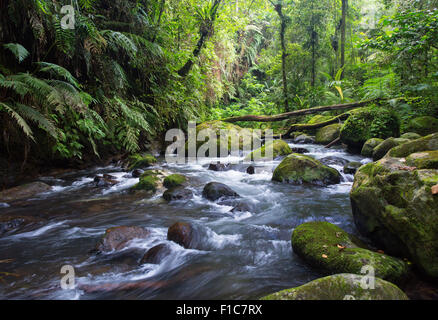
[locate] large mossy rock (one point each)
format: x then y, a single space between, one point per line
325 246
393 205
428 143
150 181
368 147
299 169
382 149
141 161
246 137
423 125
410 136
423 160
174 180
343 286
328 134
279 148
366 123
24 191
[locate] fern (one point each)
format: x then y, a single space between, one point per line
58 71
117 40
18 50
19 119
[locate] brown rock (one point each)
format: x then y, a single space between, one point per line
156 254
181 233
24 191
118 237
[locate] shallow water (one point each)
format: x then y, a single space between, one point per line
244 255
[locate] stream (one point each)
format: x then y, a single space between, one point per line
245 255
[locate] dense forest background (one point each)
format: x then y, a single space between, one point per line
131 69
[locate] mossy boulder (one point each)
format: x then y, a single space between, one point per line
423 125
423 160
300 169
246 137
328 134
174 180
428 143
394 206
345 286
326 246
139 161
279 148
366 123
382 149
368 147
410 136
150 181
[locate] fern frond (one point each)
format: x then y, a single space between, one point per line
58 71
118 40
18 50
35 116
20 121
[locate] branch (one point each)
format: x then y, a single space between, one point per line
300 127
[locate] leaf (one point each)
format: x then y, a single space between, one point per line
18 50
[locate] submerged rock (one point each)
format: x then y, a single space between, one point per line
178 193
423 125
182 233
156 254
117 238
327 247
105 181
328 134
368 147
137 173
24 191
345 286
243 207
215 191
219 166
382 149
16 224
393 204
331 160
250 170
300 150
351 167
299 169
279 148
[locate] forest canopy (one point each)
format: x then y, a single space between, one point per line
131 69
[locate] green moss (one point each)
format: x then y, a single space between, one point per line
279 148
318 119
138 161
328 134
382 149
428 143
338 287
367 123
368 147
410 136
423 125
299 169
148 181
314 239
174 180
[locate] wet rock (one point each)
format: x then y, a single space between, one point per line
410 136
250 170
4 205
243 207
176 194
17 224
428 143
328 134
156 254
219 166
299 169
366 123
423 125
345 286
352 167
394 206
304 139
174 180
105 181
117 238
150 181
182 233
327 247
300 150
279 148
336 161
24 191
137 173
139 161
382 149
215 191
368 147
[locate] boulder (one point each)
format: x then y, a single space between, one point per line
150 181
328 134
382 149
334 161
351 167
304 139
156 254
394 205
300 169
366 123
410 136
250 170
219 166
141 161
178 193
368 147
182 233
423 125
215 191
428 143
423 160
300 150
345 286
174 180
117 238
24 191
327 247
279 148
105 181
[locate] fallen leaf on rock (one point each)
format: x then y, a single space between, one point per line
435 189
324 256
406 168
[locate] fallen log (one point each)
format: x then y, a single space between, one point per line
287 115
331 144
300 127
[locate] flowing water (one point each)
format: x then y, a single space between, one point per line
244 255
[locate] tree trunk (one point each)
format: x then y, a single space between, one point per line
300 127
343 30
